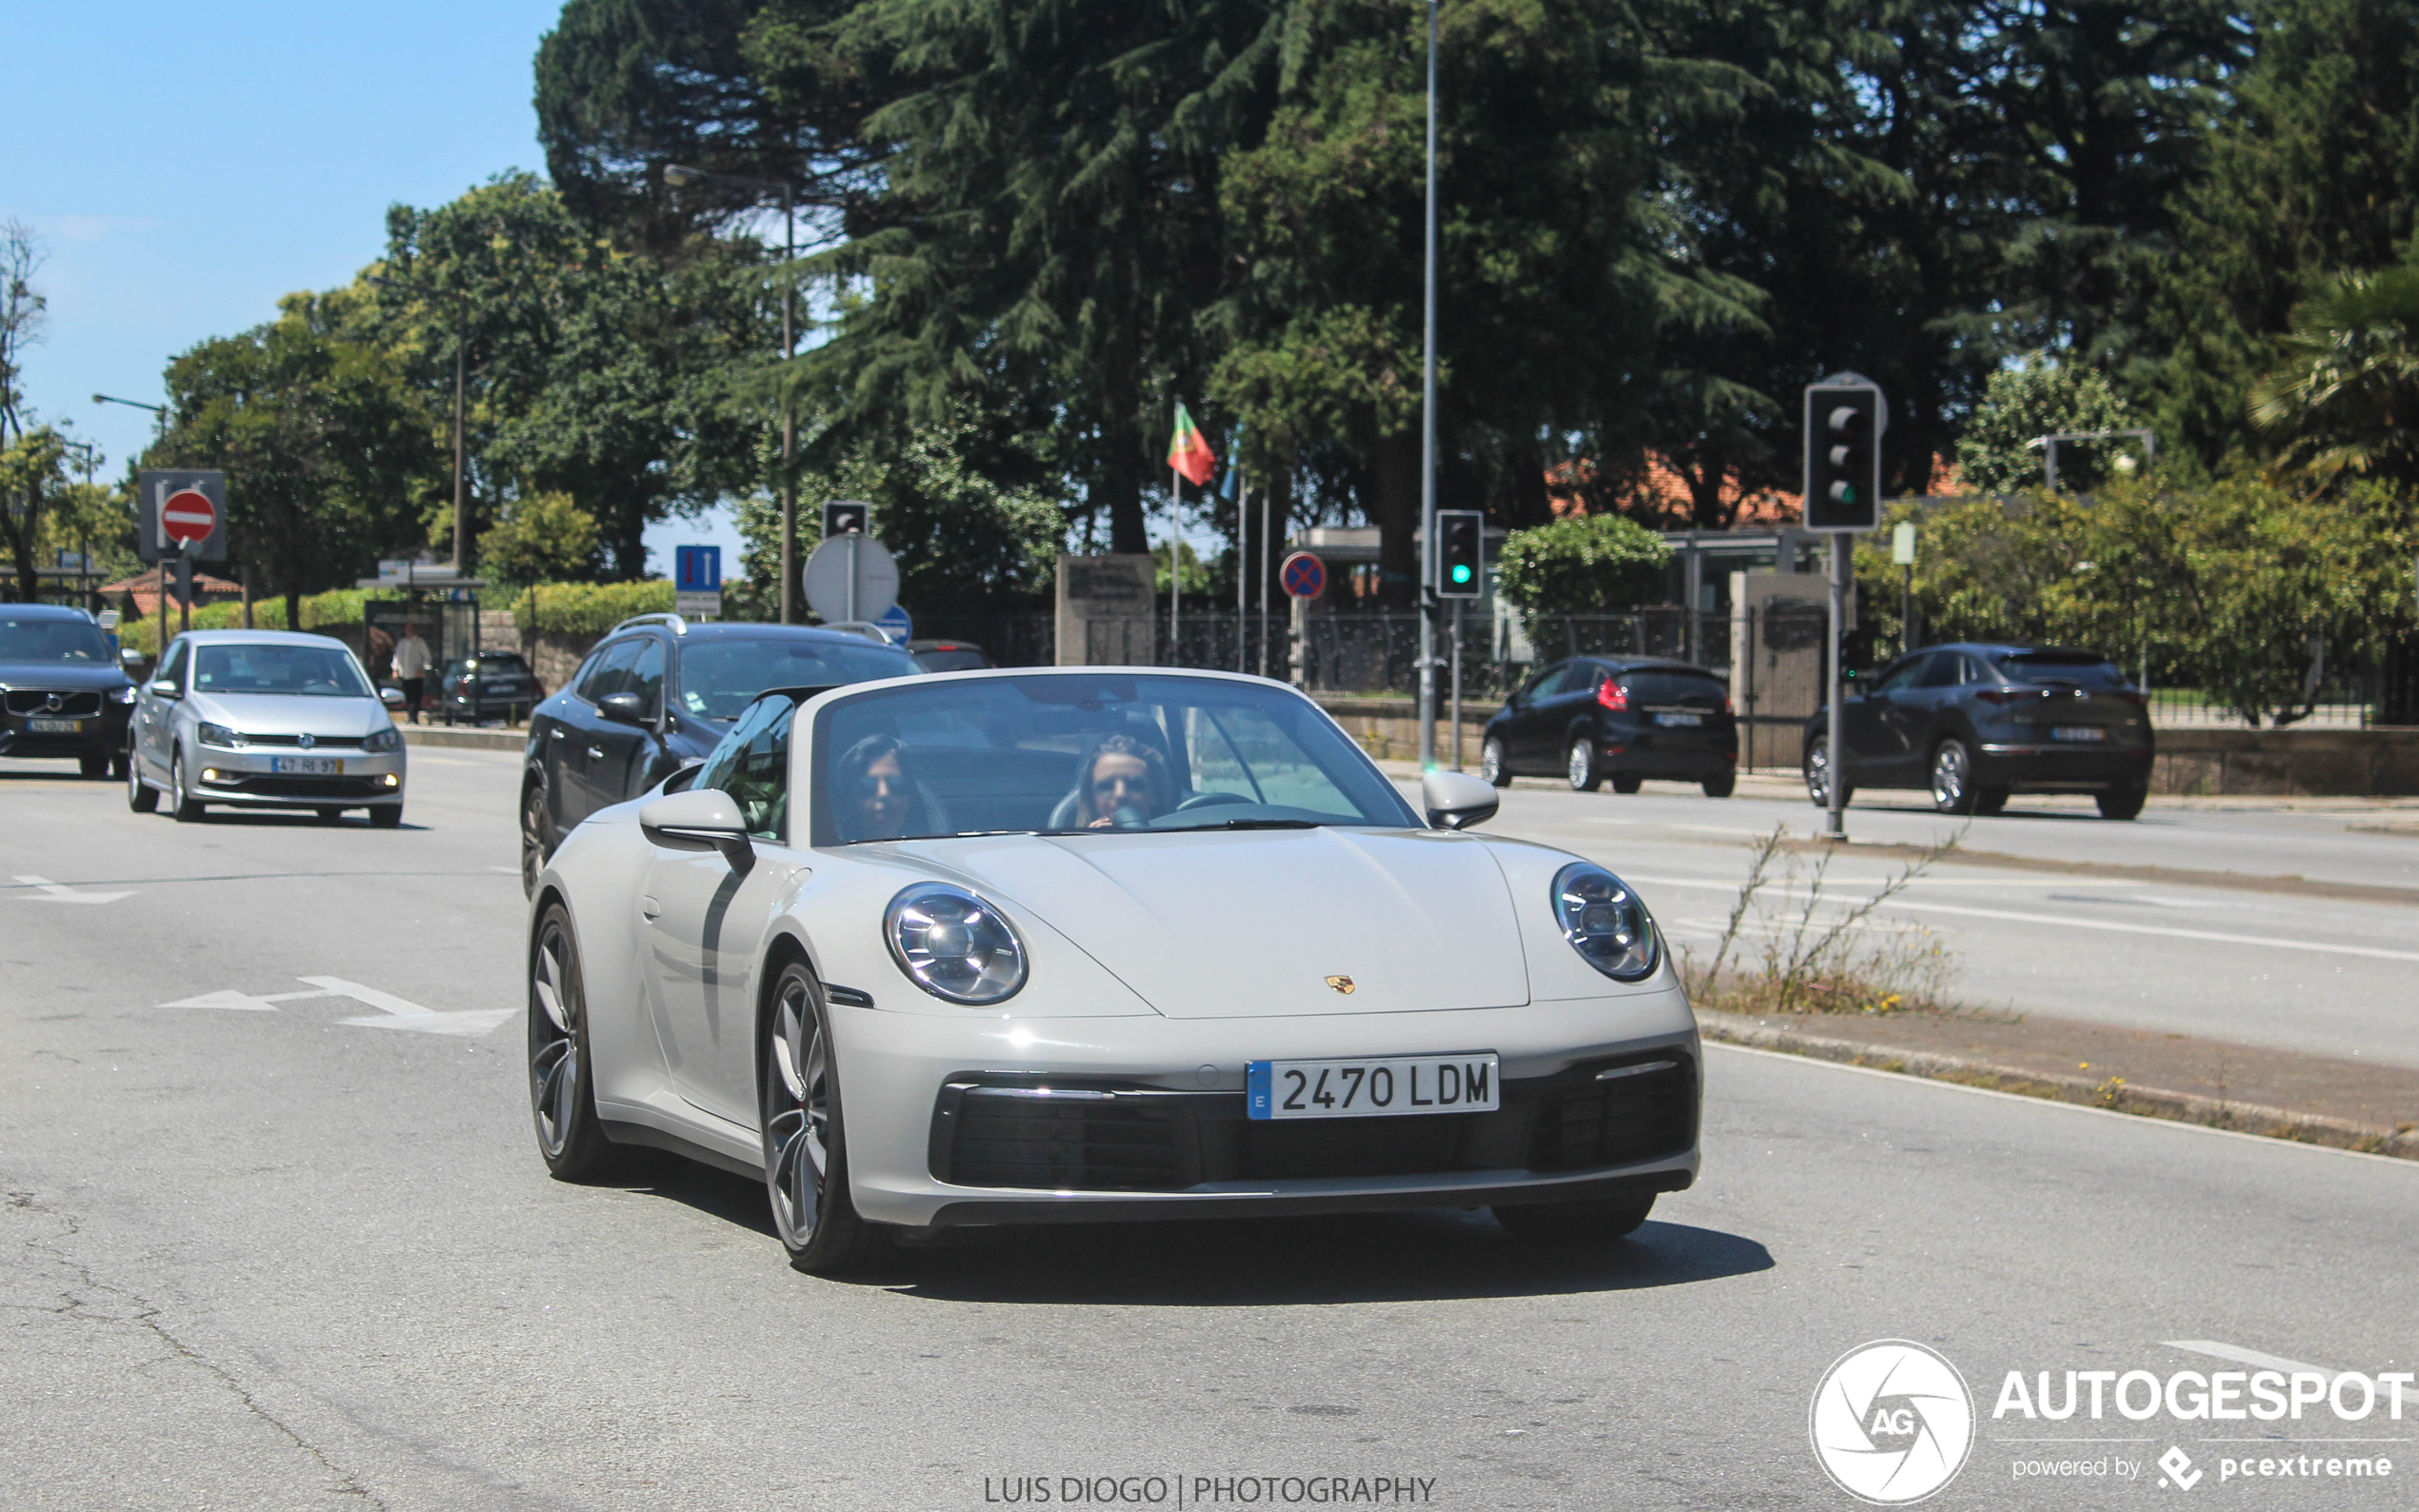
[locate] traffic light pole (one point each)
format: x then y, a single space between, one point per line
1427 447
1457 685
1836 813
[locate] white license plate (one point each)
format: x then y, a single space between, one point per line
1379 1089
308 765
1680 719
2081 732
56 726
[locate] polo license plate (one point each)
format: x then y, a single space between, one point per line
1685 719
308 765
2081 732
1374 1088
56 727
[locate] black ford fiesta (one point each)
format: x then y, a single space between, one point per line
1973 724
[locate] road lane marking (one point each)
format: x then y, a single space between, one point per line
2137 1120
47 891
393 1013
2248 1356
2111 926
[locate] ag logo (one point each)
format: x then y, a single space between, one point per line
1892 1423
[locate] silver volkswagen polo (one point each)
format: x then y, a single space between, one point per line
263 719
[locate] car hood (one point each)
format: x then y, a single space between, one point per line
1254 923
291 714
61 675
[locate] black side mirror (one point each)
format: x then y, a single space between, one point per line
622 708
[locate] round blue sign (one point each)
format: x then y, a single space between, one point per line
1303 575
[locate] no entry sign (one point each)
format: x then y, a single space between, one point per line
183 514
187 516
1303 575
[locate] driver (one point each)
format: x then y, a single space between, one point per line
1123 782
879 796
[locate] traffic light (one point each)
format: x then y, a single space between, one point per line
846 517
1843 457
1461 553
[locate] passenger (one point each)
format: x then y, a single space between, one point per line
1123 782
879 799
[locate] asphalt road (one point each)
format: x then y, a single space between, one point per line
301 1253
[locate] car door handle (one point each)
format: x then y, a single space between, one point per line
595 753
649 907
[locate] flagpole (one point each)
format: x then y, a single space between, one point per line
1175 558
1242 578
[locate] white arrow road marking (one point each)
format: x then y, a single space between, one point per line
243 1002
49 891
401 1013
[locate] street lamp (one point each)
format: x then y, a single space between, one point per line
131 404
680 175
460 345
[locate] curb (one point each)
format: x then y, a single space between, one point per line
2114 1094
511 740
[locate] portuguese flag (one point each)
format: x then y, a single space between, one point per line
1189 454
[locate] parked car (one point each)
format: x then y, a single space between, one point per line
1593 719
264 719
62 694
498 683
1975 723
949 656
655 695
1088 944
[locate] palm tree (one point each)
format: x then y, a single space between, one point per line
2346 398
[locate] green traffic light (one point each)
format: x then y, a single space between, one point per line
1461 573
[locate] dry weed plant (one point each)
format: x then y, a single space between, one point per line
1811 963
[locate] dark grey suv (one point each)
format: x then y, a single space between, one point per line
1974 723
657 694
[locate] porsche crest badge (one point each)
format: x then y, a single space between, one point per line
1342 985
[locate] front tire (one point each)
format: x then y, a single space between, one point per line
386 816
182 806
1491 765
1582 766
570 1138
536 837
140 796
806 1145
1952 778
1818 777
1575 1222
94 766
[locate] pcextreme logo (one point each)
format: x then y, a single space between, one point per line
1892 1423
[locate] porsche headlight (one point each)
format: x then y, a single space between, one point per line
1605 922
220 736
956 946
382 740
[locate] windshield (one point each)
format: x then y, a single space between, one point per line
316 671
720 678
1103 753
51 640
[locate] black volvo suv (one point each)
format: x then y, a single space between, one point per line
61 692
657 694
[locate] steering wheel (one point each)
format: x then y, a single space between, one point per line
1210 801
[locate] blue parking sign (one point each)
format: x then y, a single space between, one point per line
697 570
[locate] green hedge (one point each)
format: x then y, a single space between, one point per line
336 606
588 608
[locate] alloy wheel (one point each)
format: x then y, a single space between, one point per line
1818 777
1951 778
797 1114
1490 762
533 838
554 1041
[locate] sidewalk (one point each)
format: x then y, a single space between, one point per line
2349 1104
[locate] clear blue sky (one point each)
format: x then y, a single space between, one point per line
188 164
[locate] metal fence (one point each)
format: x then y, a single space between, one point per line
1378 655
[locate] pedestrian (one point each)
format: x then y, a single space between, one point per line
412 668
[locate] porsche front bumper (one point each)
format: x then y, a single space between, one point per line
1016 1120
